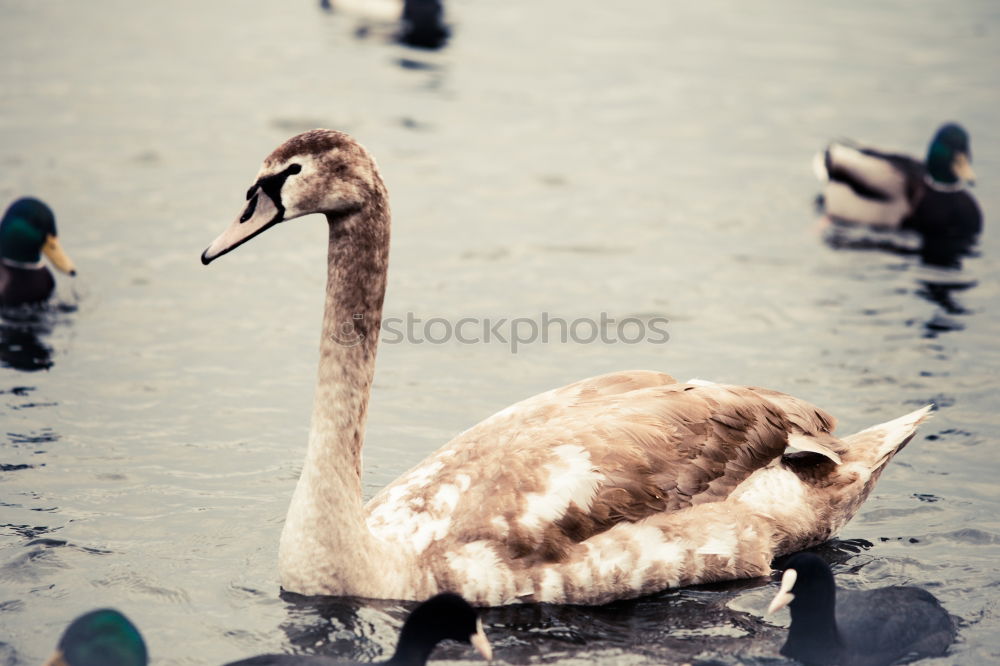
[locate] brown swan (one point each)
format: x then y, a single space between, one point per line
608 488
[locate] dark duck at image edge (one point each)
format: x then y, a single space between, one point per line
876 627
102 637
421 22
106 637
608 488
442 617
889 191
27 230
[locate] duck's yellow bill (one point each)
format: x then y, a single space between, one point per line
53 250
56 659
480 642
963 168
784 595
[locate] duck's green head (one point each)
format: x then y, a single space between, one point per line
100 638
27 229
949 158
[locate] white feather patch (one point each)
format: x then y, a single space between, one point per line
875 171
653 549
501 525
445 499
771 491
478 565
721 541
373 10
572 479
552 588
404 517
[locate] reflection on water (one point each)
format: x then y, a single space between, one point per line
944 294
936 249
347 628
940 276
21 347
693 621
722 623
645 159
23 330
423 24
23 451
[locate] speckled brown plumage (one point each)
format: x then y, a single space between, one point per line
610 487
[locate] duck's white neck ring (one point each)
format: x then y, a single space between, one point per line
27 265
943 187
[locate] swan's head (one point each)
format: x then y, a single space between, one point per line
320 171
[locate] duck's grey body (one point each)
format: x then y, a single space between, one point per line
879 627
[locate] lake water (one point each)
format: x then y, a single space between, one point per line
638 159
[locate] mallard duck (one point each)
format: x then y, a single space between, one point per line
444 616
857 627
27 230
890 191
421 22
102 637
867 186
612 487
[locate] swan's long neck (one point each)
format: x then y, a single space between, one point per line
326 547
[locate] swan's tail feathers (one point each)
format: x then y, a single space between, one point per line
880 442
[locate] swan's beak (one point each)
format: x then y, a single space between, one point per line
53 250
480 642
784 595
963 168
259 215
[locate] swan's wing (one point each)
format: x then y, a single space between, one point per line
592 390
554 470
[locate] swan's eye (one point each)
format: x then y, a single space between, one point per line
271 185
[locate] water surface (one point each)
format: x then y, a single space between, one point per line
638 158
